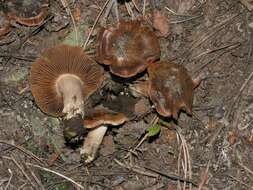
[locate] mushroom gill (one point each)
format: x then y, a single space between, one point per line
62 79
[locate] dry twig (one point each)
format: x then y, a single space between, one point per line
57 173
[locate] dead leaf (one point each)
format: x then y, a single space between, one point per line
160 22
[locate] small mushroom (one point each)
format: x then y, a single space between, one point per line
98 120
127 48
62 79
4 24
171 88
27 12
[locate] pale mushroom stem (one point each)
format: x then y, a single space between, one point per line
69 87
92 143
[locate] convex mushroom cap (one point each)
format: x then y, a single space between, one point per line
127 48
170 88
27 12
62 79
100 117
98 121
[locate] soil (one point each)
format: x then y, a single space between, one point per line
212 149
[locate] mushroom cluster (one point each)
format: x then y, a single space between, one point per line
64 78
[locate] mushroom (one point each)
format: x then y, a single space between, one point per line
4 24
127 48
27 12
169 87
62 79
98 121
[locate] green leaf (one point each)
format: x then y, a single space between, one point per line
154 130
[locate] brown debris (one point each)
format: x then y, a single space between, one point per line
127 48
160 22
27 12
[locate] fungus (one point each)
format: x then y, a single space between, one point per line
127 48
98 120
4 24
171 88
27 12
62 79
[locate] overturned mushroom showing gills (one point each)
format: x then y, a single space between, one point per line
171 88
62 79
27 12
128 48
98 121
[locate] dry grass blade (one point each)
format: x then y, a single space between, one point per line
65 4
56 173
185 161
21 169
27 152
136 169
248 79
171 176
214 30
95 23
9 181
144 8
204 177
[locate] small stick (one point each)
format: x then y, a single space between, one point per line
57 173
171 176
136 169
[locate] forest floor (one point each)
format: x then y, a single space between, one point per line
212 149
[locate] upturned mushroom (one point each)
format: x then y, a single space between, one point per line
127 48
98 121
169 87
62 79
27 12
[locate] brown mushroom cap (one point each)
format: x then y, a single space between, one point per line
55 63
128 48
100 117
170 88
27 12
4 24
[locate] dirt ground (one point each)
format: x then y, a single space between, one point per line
212 149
